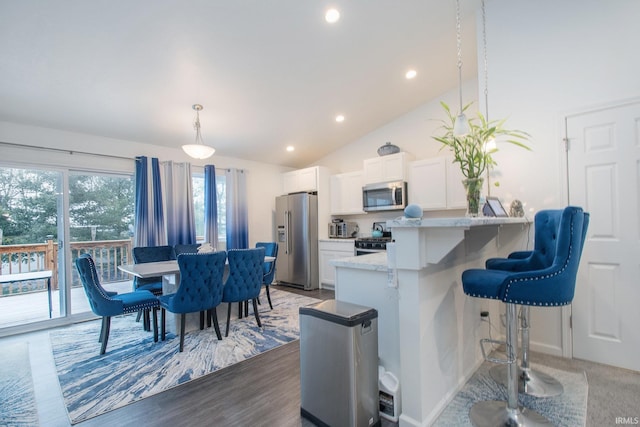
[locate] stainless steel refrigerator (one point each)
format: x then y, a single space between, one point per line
297 234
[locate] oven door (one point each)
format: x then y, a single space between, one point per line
361 251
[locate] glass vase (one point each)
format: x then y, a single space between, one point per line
473 187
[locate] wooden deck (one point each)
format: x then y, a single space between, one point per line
32 307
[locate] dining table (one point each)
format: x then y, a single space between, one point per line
170 272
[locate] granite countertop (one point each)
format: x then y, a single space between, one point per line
464 222
333 240
375 261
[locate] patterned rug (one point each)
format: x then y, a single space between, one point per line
134 367
569 409
17 401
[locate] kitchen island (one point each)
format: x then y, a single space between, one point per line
428 330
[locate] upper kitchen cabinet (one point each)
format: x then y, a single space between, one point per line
436 184
386 168
301 180
427 183
346 193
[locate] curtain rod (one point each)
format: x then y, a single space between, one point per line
61 150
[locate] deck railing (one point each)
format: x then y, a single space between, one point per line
107 254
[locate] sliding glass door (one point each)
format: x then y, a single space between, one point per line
47 219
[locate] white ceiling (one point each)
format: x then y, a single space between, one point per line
269 73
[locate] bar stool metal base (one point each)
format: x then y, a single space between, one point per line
531 382
494 413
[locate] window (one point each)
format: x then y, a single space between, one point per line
198 201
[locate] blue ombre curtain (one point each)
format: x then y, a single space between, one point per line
237 212
149 214
210 206
178 202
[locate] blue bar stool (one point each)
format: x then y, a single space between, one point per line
549 286
531 381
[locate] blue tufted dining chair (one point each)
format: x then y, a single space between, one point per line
102 304
144 254
546 226
185 249
550 284
200 289
268 268
245 279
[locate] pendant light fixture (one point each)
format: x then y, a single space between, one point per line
461 125
490 145
491 142
198 150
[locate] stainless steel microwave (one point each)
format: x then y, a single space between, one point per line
385 196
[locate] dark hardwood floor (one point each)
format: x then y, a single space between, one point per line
261 391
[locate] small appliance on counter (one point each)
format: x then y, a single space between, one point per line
339 229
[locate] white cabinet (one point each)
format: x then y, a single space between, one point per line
300 180
436 184
427 183
456 194
329 250
386 168
346 193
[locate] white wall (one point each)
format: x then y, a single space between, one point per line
263 180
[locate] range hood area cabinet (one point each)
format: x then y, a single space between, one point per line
346 193
393 167
436 184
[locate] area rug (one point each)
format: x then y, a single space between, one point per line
134 367
17 400
569 409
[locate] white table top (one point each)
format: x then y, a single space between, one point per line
31 275
160 268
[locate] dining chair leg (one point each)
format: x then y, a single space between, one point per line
240 310
213 313
268 296
105 333
104 321
183 317
201 320
255 312
246 308
163 314
209 318
226 334
155 324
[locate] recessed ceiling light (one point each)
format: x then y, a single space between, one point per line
332 16
340 118
411 74
290 148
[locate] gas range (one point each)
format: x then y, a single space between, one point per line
366 245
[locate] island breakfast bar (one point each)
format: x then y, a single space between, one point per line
428 329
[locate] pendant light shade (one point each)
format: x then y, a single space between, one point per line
461 125
198 150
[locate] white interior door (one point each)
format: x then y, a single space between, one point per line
604 178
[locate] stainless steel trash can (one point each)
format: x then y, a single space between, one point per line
339 364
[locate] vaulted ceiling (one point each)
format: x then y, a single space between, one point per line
268 73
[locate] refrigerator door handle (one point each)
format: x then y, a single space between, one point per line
286 232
